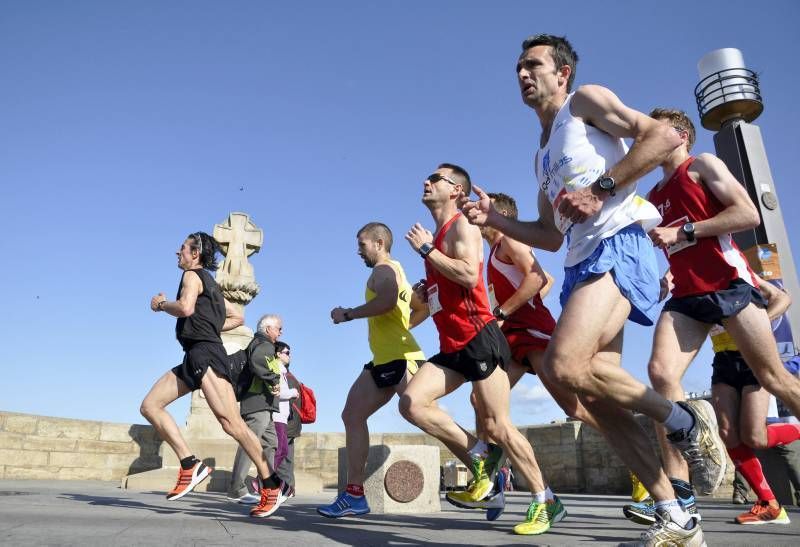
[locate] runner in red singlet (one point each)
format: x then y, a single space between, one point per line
472 349
702 204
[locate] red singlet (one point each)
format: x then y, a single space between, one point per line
504 280
459 313
708 264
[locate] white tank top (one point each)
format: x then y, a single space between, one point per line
573 158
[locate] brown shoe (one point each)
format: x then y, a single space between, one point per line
764 512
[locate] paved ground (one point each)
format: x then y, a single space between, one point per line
98 513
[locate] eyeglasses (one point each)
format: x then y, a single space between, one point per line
285 352
279 329
436 177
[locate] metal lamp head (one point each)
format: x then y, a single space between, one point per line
727 90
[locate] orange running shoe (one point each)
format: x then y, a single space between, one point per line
764 512
188 479
270 501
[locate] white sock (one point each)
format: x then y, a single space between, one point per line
677 513
539 497
678 419
548 494
481 449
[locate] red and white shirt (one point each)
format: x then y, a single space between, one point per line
459 313
708 264
504 280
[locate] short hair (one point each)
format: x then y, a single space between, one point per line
504 202
280 346
376 231
678 119
560 50
461 176
266 320
208 248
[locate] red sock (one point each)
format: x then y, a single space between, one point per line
355 489
748 465
782 434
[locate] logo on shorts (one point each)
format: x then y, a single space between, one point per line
482 366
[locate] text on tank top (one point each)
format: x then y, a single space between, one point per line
460 313
504 280
573 158
707 264
389 336
205 324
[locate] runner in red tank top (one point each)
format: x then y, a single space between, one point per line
472 347
702 203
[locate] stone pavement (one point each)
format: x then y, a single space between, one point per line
99 513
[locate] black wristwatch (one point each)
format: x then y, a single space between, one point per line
688 231
425 249
499 313
607 184
346 315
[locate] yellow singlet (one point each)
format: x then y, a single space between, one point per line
389 337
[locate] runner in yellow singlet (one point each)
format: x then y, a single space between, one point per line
391 309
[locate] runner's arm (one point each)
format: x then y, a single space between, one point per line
653 141
533 276
465 246
233 318
384 284
778 301
191 287
419 310
541 233
739 213
544 291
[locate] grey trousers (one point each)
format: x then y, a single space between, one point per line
261 424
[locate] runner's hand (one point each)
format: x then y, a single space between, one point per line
579 205
418 235
420 288
664 237
479 212
156 300
337 314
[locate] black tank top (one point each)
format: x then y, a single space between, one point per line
205 324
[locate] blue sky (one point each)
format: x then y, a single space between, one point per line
124 126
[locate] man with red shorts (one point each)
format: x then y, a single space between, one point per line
701 204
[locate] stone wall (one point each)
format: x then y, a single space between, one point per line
573 457
40 447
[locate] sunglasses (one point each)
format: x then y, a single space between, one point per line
436 177
285 352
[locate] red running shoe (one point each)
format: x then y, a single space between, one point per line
188 479
270 501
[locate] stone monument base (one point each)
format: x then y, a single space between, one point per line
399 478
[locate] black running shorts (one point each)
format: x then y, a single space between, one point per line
713 307
478 359
731 369
197 359
389 374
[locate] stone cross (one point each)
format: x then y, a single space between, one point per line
239 237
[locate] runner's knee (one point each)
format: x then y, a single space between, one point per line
756 440
662 375
728 435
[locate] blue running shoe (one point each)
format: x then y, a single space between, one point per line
498 502
345 505
645 512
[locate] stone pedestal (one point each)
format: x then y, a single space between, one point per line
399 478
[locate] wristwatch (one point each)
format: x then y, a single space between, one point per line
425 249
688 231
499 313
346 315
607 184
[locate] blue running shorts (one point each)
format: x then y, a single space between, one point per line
630 258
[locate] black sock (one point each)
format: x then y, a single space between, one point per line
271 482
681 488
188 462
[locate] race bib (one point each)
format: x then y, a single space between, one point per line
681 245
433 299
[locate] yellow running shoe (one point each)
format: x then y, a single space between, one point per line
639 492
477 490
540 517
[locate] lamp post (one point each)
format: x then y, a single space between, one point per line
728 99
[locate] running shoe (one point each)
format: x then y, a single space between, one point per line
666 532
498 501
540 517
247 499
739 496
270 501
764 512
701 446
645 512
638 492
492 463
344 505
286 492
188 479
478 489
